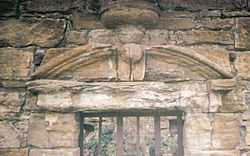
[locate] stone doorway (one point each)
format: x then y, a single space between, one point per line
137 133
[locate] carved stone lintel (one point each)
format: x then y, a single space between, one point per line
131 63
70 96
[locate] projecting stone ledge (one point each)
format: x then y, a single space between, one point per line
70 96
129 13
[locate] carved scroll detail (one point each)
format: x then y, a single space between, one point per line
131 63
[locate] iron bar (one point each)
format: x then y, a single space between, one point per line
99 146
138 135
180 151
119 136
131 113
81 135
157 131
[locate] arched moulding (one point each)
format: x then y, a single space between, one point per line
173 63
133 62
80 63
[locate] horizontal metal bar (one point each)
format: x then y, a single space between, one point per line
132 113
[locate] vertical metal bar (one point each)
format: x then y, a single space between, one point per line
138 135
81 135
99 146
157 128
180 151
119 136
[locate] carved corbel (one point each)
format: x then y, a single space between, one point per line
131 63
217 89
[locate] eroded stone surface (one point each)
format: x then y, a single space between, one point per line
157 37
242 65
242 39
15 64
101 67
236 100
53 130
197 132
212 153
50 5
13 134
14 152
113 96
55 152
226 126
10 103
198 5
166 63
166 22
76 37
130 34
215 23
19 33
104 36
87 22
204 37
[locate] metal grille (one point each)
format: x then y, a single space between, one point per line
176 116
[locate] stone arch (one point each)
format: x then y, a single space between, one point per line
134 62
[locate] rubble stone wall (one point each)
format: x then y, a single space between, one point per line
43 120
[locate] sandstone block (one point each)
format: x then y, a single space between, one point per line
76 37
43 33
10 103
197 5
169 23
216 55
52 130
242 34
214 23
130 34
15 64
157 37
49 5
104 36
13 134
88 22
204 37
247 137
236 100
12 84
245 153
197 131
242 65
226 126
190 152
120 96
55 152
14 152
235 13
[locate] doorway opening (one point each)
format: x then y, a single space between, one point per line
147 133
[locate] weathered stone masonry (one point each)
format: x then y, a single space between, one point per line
62 57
